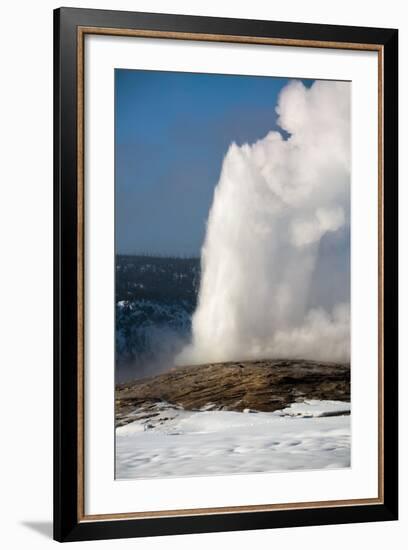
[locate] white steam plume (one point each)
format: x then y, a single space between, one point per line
275 203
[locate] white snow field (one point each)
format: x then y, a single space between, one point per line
176 443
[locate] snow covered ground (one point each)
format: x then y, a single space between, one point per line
172 442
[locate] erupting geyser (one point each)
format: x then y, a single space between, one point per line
276 204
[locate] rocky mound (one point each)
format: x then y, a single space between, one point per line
266 385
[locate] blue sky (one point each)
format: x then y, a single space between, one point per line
172 131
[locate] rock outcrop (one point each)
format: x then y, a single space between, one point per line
266 385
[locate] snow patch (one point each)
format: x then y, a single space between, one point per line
315 408
168 441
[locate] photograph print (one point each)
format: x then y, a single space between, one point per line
232 274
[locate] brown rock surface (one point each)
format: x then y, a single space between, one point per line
266 385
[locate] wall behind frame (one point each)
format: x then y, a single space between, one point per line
26 274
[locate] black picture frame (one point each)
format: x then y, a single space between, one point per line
69 523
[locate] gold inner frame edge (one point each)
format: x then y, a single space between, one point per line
82 31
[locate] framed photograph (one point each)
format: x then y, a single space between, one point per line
225 274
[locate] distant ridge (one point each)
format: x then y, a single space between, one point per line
147 256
